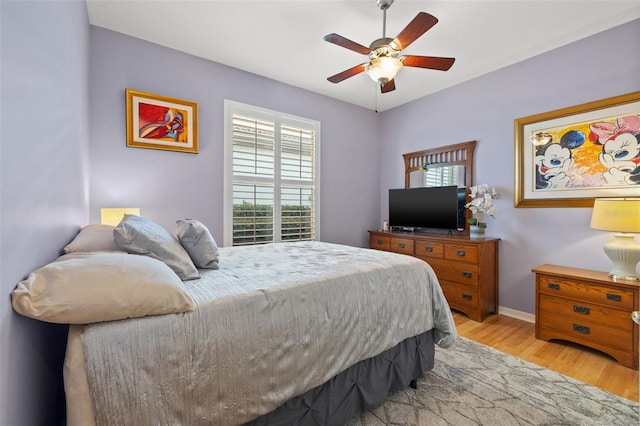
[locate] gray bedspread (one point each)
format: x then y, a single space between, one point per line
271 323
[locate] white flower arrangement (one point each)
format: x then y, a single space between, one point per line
481 202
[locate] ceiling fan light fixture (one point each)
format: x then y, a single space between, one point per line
383 69
383 53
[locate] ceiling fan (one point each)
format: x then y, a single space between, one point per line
384 62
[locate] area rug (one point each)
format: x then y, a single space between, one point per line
473 384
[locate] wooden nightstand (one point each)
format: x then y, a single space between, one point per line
589 308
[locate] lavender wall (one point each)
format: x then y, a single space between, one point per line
44 188
484 109
171 185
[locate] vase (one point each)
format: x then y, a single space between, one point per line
476 232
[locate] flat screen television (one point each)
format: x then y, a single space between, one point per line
439 207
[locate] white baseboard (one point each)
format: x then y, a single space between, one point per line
525 316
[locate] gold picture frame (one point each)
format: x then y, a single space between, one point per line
569 157
160 122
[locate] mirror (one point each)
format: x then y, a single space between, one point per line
436 175
445 166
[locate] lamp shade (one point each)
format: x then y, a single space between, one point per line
616 215
113 216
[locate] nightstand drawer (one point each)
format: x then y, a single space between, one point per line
580 311
464 273
461 252
379 242
429 249
617 298
401 245
587 331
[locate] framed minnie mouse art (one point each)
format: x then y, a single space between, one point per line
569 157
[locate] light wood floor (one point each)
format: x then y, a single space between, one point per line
517 337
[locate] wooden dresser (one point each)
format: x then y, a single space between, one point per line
467 269
589 308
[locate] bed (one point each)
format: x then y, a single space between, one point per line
281 333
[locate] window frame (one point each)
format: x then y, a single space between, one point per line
232 108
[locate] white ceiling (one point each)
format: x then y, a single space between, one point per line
283 40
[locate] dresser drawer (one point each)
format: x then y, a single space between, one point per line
580 311
379 242
464 273
621 299
461 252
459 295
401 245
587 331
429 249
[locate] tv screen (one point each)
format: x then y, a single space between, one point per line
431 207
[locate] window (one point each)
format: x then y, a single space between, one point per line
440 176
271 176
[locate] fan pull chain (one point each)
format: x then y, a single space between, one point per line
375 97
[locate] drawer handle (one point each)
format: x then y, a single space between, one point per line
553 286
460 253
467 296
581 310
379 242
429 249
466 274
616 297
401 245
581 329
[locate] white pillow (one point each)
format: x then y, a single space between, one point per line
94 237
82 288
198 242
142 236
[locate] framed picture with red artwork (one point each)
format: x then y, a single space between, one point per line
161 122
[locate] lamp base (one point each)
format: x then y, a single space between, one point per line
624 253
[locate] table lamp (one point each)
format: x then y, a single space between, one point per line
621 216
113 216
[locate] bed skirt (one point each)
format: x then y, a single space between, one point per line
362 387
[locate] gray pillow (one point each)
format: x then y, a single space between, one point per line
142 236
199 243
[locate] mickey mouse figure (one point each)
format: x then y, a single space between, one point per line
620 149
554 160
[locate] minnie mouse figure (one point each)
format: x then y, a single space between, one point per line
620 149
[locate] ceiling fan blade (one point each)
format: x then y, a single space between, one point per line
346 74
431 62
388 86
346 43
420 25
